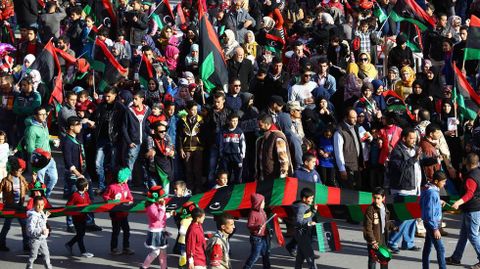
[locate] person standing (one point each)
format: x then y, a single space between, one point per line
304 225
218 247
470 205
195 244
38 232
259 238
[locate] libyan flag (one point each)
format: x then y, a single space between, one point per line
103 61
396 103
213 68
102 13
472 48
145 71
328 237
409 10
163 15
465 97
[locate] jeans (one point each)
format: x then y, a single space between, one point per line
469 230
6 227
132 157
212 164
406 229
39 244
438 244
193 170
105 150
260 246
51 171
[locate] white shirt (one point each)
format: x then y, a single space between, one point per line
300 92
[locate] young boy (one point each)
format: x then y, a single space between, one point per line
259 238
180 189
222 179
432 219
195 243
120 191
80 197
376 226
38 232
307 171
232 149
304 226
186 220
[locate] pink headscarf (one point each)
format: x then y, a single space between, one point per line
171 55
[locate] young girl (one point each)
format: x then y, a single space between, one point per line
325 154
195 243
157 223
4 150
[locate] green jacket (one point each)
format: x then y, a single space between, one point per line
36 135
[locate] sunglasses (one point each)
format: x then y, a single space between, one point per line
363 59
307 75
162 132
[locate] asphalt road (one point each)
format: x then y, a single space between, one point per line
352 255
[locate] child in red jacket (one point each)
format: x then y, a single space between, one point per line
195 243
259 238
80 197
120 191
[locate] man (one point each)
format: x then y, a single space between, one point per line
108 119
404 176
431 160
348 151
75 31
293 66
218 247
324 79
400 54
295 110
470 205
459 53
302 91
238 20
162 151
63 43
233 100
276 83
136 23
67 111
241 69
273 155
30 46
37 136
50 20
432 36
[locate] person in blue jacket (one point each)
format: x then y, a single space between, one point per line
307 171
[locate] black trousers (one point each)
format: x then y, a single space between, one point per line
78 238
117 225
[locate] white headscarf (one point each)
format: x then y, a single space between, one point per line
36 78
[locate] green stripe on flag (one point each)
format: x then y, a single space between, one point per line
206 70
397 18
472 54
87 9
157 20
102 85
278 191
401 211
138 207
355 212
364 198
413 46
321 242
236 197
163 178
96 65
379 13
321 194
196 198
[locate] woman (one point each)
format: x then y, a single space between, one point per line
171 57
248 123
153 94
39 86
419 99
229 44
27 62
366 69
251 47
404 87
367 104
449 122
181 98
191 61
434 82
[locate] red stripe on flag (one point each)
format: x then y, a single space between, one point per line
275 38
181 15
110 56
414 209
280 211
291 188
106 207
474 21
210 31
278 232
169 7
336 236
333 196
324 211
464 83
206 199
57 93
420 12
67 57
148 66
108 6
250 188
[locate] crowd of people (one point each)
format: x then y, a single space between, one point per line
329 92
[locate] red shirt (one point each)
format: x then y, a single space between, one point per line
470 186
79 199
196 244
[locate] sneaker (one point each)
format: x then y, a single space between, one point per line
415 248
69 249
116 252
394 250
444 224
476 266
128 251
71 229
93 228
451 261
87 255
4 248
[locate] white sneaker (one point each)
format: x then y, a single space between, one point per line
87 255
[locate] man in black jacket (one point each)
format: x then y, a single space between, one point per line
108 122
404 175
75 31
26 12
241 68
137 23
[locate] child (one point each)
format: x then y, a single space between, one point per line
80 197
85 101
38 232
259 238
157 223
222 180
325 153
432 219
186 220
156 115
232 149
120 191
307 172
376 226
180 189
195 243
14 188
4 151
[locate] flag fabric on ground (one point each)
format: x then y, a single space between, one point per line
213 68
328 237
103 61
472 48
466 99
409 10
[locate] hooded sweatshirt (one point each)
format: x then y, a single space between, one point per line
36 222
36 135
257 216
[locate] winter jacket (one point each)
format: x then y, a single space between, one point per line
36 135
65 113
195 245
118 191
401 169
431 207
108 121
257 216
232 142
135 128
6 188
24 105
36 222
26 12
217 252
78 198
372 225
242 71
73 153
157 217
189 134
308 176
74 32
136 29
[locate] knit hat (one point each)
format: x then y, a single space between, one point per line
187 209
124 174
155 193
376 84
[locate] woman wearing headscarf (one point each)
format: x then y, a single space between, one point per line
404 87
419 98
27 62
366 69
171 57
191 60
434 82
271 9
181 98
39 86
453 25
251 46
229 44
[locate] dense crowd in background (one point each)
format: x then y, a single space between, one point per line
307 96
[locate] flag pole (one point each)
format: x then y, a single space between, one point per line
153 11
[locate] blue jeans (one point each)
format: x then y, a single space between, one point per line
51 172
6 227
105 150
469 230
438 244
132 157
212 164
406 229
260 247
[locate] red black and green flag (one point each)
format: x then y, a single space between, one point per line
409 10
103 61
465 97
163 15
145 71
103 13
396 103
328 237
472 48
213 68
